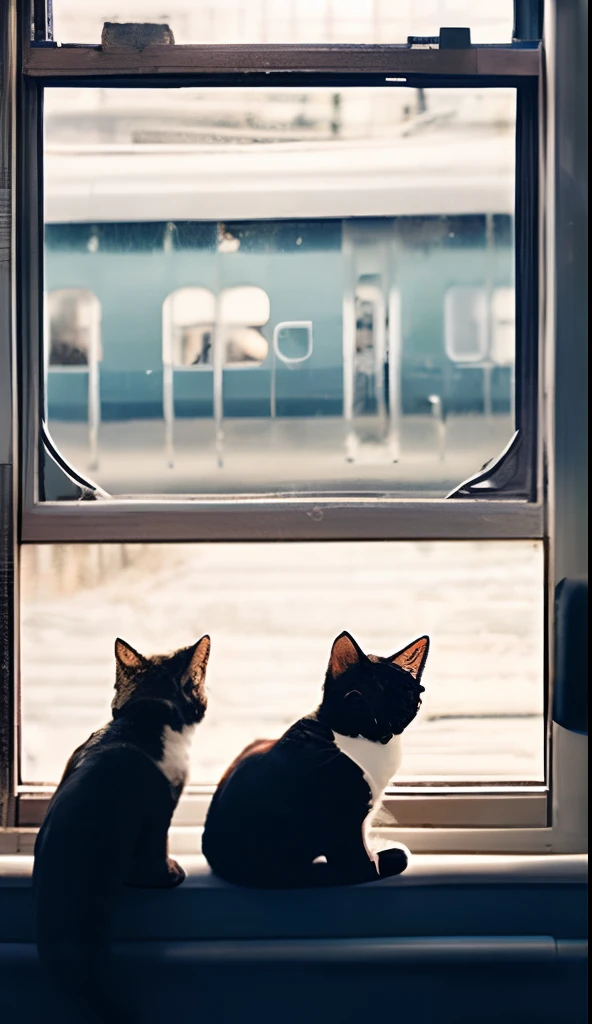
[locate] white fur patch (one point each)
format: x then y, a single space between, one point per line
175 758
378 761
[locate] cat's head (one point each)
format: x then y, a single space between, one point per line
365 695
177 679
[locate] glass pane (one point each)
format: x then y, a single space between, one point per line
273 611
280 291
289 21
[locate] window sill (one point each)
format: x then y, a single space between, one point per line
437 896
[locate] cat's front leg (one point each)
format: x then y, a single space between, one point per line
166 874
349 861
151 866
392 861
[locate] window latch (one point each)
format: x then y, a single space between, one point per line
448 39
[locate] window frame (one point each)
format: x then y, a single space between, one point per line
506 510
497 815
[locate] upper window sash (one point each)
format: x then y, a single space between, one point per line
297 517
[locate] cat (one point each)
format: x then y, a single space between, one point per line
291 813
108 821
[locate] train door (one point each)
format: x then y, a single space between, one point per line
371 346
72 360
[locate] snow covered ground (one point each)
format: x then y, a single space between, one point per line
272 611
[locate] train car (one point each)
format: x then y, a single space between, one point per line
169 313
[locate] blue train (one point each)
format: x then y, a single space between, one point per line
246 292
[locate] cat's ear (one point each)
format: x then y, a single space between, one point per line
126 657
344 653
413 657
195 671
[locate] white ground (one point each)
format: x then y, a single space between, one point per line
272 611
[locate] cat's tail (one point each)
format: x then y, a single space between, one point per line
82 857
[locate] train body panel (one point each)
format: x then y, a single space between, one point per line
302 270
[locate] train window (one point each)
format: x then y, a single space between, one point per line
243 311
480 327
272 611
73 355
503 330
74 328
465 324
187 327
207 245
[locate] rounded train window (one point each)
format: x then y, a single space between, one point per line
465 324
244 310
503 328
188 327
74 320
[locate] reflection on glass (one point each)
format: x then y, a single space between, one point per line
272 611
288 21
288 290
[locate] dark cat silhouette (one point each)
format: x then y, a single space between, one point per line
108 820
282 804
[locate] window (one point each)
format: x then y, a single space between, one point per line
272 611
74 348
478 330
74 325
243 312
188 317
334 261
316 274
466 325
503 307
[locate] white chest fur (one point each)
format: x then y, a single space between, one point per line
378 761
175 757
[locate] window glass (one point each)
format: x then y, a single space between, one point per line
187 326
288 21
341 263
273 611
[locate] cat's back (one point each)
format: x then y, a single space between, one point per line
292 778
102 783
295 760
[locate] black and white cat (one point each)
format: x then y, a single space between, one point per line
107 823
283 804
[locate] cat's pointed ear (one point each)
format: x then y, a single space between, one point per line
413 657
195 671
126 657
344 653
